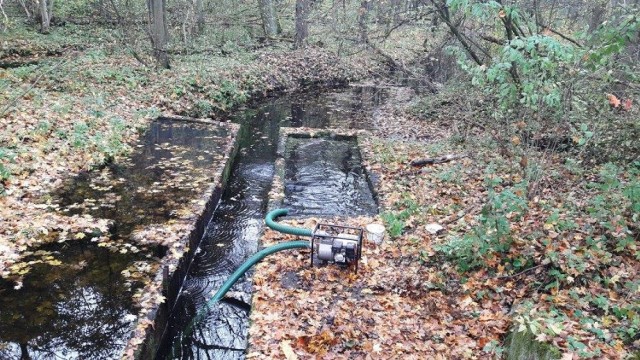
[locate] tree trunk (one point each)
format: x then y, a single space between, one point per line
199 6
26 9
159 33
24 352
50 9
363 17
4 23
45 21
302 29
269 18
598 13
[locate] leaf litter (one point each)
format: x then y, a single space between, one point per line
411 299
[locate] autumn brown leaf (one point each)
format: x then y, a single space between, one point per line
613 100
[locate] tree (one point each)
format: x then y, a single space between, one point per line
199 7
46 13
598 13
302 28
363 18
269 18
158 31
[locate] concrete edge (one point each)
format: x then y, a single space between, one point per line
171 275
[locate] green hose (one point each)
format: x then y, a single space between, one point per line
257 257
254 260
284 228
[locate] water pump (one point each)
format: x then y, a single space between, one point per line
337 244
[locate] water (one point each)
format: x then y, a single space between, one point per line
232 235
68 312
171 164
82 309
324 177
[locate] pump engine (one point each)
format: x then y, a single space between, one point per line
337 244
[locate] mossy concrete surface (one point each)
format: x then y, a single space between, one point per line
523 346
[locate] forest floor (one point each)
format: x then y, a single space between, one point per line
515 270
557 260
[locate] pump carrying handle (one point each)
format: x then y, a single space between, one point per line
269 220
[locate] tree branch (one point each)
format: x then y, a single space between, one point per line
444 15
569 39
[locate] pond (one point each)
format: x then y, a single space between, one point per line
75 302
236 226
83 309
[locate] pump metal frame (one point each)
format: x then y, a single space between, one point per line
332 232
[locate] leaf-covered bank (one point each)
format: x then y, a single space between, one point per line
554 264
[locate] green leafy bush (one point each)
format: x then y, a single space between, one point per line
395 221
492 234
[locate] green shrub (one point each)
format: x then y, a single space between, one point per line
492 235
6 156
395 221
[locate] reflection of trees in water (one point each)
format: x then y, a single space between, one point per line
147 186
325 177
222 335
65 312
339 109
79 312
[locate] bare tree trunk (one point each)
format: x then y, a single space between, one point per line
443 12
4 23
199 6
159 33
24 352
302 29
363 17
45 21
50 9
26 9
598 12
269 18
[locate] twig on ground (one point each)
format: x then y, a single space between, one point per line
437 160
521 272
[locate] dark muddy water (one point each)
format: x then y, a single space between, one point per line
324 177
333 177
83 308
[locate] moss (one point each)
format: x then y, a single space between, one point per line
523 346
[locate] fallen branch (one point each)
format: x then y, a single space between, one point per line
17 97
438 160
459 215
522 272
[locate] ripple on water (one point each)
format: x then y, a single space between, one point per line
325 177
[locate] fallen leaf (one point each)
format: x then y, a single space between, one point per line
613 100
288 350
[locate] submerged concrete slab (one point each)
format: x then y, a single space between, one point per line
288 190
